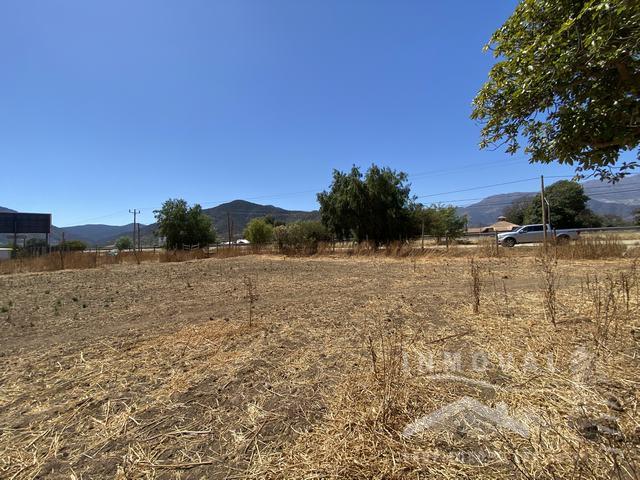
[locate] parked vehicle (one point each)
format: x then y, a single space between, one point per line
535 234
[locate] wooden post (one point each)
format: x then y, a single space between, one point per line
422 233
544 213
497 245
229 228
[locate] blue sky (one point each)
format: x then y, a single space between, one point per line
119 104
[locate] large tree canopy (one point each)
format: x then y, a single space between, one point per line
567 82
376 206
184 225
567 207
440 221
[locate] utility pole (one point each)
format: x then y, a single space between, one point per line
139 247
135 213
544 213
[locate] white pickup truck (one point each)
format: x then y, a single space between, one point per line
535 234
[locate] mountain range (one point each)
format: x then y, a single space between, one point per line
620 199
235 214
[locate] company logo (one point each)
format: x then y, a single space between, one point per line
469 412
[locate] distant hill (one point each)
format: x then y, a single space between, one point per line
3 209
487 210
620 199
241 212
626 191
98 234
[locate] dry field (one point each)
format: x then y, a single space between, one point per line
153 371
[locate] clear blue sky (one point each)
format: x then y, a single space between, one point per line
111 105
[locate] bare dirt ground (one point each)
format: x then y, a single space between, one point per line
152 370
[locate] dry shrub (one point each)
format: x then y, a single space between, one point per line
182 255
251 295
592 247
633 252
89 259
629 282
548 266
605 296
386 351
136 257
362 248
487 247
230 252
325 248
398 249
476 285
56 261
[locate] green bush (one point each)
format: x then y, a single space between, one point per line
73 246
124 243
259 231
301 236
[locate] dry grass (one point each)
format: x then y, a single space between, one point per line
548 267
592 247
476 284
84 260
151 371
587 247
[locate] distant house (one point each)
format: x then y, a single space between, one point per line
500 226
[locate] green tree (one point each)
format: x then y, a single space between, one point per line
636 217
183 225
567 207
517 211
259 231
124 243
443 222
375 206
567 81
34 243
270 219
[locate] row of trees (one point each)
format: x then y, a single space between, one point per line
376 206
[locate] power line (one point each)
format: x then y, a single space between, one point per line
478 188
464 167
411 176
